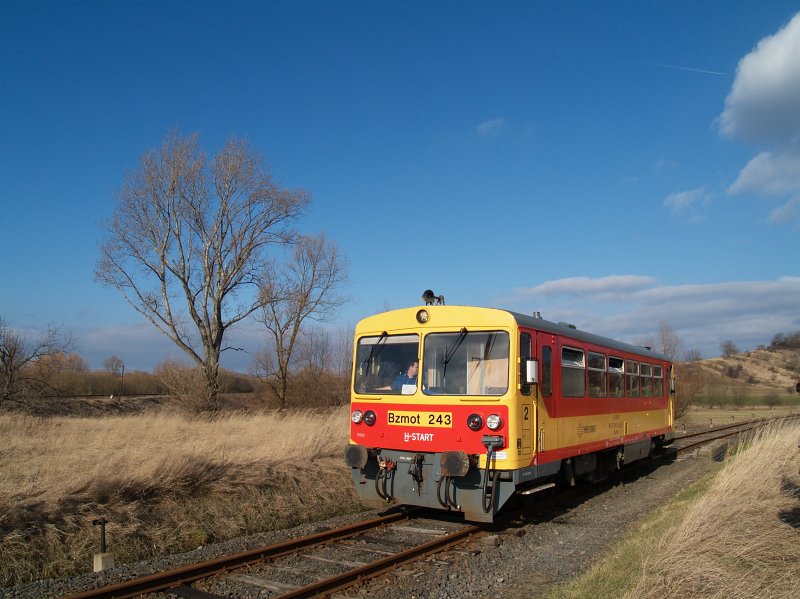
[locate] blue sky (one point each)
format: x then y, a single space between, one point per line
612 164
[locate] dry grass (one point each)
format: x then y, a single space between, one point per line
165 482
734 534
742 537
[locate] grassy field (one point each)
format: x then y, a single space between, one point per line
165 482
735 534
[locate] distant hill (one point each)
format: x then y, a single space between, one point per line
761 372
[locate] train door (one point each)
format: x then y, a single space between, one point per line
546 423
527 416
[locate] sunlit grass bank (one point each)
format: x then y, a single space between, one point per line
734 534
165 482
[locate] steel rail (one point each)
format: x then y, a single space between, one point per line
676 450
347 579
163 581
722 428
750 424
757 422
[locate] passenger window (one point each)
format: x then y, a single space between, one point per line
573 372
658 381
631 378
646 377
616 377
597 375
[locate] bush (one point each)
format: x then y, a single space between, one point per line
186 385
786 341
733 371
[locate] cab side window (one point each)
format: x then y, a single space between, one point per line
547 371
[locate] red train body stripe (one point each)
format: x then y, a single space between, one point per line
567 406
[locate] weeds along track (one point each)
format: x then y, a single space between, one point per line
332 560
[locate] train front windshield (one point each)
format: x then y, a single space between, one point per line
456 363
465 363
383 362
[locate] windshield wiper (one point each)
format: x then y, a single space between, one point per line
375 350
451 351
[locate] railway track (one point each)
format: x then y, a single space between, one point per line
692 440
329 561
313 565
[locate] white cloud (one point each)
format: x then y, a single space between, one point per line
764 102
608 287
688 204
703 315
665 165
789 212
775 174
770 173
763 106
491 127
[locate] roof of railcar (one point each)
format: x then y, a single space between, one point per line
533 322
558 328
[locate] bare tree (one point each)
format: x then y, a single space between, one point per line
343 360
689 382
113 364
668 341
728 348
187 241
313 349
20 379
307 287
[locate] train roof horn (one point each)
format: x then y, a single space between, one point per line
431 299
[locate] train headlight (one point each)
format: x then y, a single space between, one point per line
370 417
474 422
494 422
423 316
357 416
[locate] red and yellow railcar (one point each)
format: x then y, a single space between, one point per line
460 407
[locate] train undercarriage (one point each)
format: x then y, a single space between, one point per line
455 481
